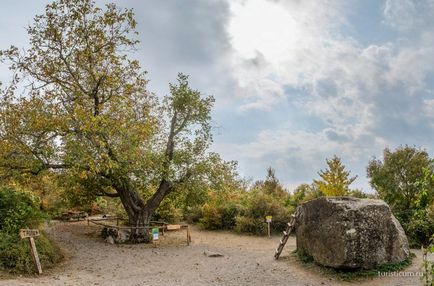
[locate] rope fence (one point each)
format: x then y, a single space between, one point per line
161 226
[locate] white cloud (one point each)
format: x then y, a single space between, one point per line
368 96
400 14
304 49
271 93
407 15
429 107
288 43
411 65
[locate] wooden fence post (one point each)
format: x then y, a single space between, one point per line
188 235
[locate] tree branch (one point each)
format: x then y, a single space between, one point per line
184 122
106 194
170 140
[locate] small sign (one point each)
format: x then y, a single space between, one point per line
173 226
155 233
24 233
268 218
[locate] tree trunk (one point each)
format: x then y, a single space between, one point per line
140 213
140 221
138 217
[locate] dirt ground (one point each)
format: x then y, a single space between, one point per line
247 260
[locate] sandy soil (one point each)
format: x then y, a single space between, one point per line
247 260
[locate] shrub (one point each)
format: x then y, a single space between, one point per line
229 212
420 227
20 210
193 214
244 210
304 193
251 225
48 189
219 215
258 206
211 217
15 255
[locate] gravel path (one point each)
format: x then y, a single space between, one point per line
247 260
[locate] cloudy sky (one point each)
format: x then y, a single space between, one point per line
295 81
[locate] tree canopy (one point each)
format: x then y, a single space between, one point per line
404 178
397 178
78 105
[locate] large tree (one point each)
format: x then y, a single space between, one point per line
78 105
404 178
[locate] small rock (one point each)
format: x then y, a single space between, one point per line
122 236
110 239
212 254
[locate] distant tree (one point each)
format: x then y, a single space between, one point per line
335 180
356 193
271 185
405 180
303 193
396 178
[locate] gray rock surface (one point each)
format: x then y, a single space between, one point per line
345 232
110 239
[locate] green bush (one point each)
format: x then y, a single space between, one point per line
251 225
20 210
229 212
193 214
219 215
304 193
259 205
420 227
15 255
211 217
244 210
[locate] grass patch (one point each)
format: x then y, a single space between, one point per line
304 257
352 274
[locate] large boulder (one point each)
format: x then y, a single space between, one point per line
345 232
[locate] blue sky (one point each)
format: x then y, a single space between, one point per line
295 81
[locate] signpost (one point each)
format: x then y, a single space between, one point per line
268 219
30 233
